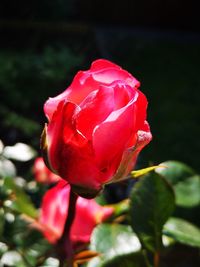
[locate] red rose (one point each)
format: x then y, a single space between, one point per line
42 173
96 128
54 212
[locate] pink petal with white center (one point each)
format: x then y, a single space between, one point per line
54 211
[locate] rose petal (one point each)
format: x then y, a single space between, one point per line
123 94
85 82
142 138
100 64
54 211
141 108
93 214
110 75
82 84
110 138
95 109
79 168
56 126
70 153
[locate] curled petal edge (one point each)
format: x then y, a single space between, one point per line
130 156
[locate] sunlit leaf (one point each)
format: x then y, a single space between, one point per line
175 171
114 239
185 183
183 232
188 192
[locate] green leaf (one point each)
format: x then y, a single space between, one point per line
152 202
114 239
188 192
185 183
175 171
130 260
183 232
121 207
21 202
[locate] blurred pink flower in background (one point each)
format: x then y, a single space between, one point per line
54 211
42 174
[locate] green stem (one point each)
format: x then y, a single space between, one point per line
146 258
64 246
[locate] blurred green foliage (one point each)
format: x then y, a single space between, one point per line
27 79
140 228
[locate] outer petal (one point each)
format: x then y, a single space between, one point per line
110 138
70 153
110 75
142 138
51 104
100 64
82 85
80 170
107 72
56 126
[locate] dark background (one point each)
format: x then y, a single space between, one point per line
44 43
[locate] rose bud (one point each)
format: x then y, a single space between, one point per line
54 212
42 173
96 128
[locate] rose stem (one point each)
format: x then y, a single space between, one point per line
157 259
64 245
